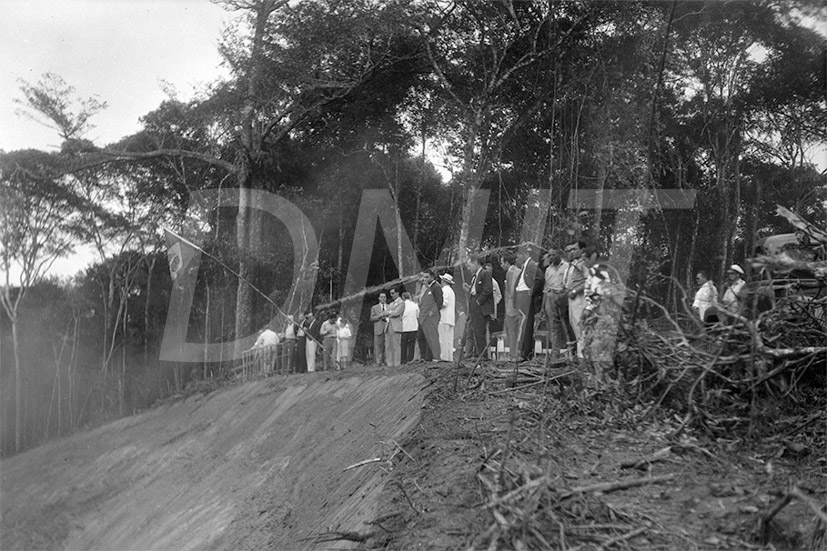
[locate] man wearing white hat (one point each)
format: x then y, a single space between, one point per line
732 293
447 319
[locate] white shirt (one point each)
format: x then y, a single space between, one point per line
267 338
447 314
474 282
343 331
521 284
730 299
410 317
705 296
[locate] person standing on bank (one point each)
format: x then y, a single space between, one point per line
344 343
410 326
430 303
524 299
511 321
301 345
313 334
556 303
290 331
575 283
706 298
447 319
380 327
732 293
393 334
328 332
480 305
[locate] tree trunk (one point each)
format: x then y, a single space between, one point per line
251 143
18 399
206 329
147 303
244 293
71 372
398 218
468 185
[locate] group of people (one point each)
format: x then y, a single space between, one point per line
578 298
709 307
566 287
426 320
328 337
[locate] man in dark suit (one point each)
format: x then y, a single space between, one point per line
480 305
430 302
380 325
527 283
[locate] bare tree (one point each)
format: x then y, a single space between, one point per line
36 228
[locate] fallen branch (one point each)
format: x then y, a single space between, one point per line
817 508
795 492
517 491
766 519
606 487
410 502
365 462
336 535
623 537
659 455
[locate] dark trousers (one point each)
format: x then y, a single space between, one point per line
379 349
557 313
289 355
527 342
408 345
428 337
479 328
301 355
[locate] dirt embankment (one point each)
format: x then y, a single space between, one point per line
247 467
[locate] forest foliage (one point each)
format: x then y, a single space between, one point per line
433 102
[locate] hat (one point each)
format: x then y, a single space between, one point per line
447 277
736 268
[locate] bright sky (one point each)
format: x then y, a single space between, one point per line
120 50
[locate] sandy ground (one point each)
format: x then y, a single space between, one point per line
253 466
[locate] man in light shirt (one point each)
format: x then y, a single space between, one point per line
329 332
575 283
410 326
268 337
380 326
393 333
732 293
556 302
447 319
705 297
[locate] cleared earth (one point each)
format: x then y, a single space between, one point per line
425 457
255 465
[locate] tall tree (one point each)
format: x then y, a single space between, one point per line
290 60
37 226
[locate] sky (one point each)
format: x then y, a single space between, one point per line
122 51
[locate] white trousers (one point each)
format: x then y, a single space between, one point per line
576 307
310 349
446 342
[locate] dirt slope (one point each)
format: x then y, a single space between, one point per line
251 466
